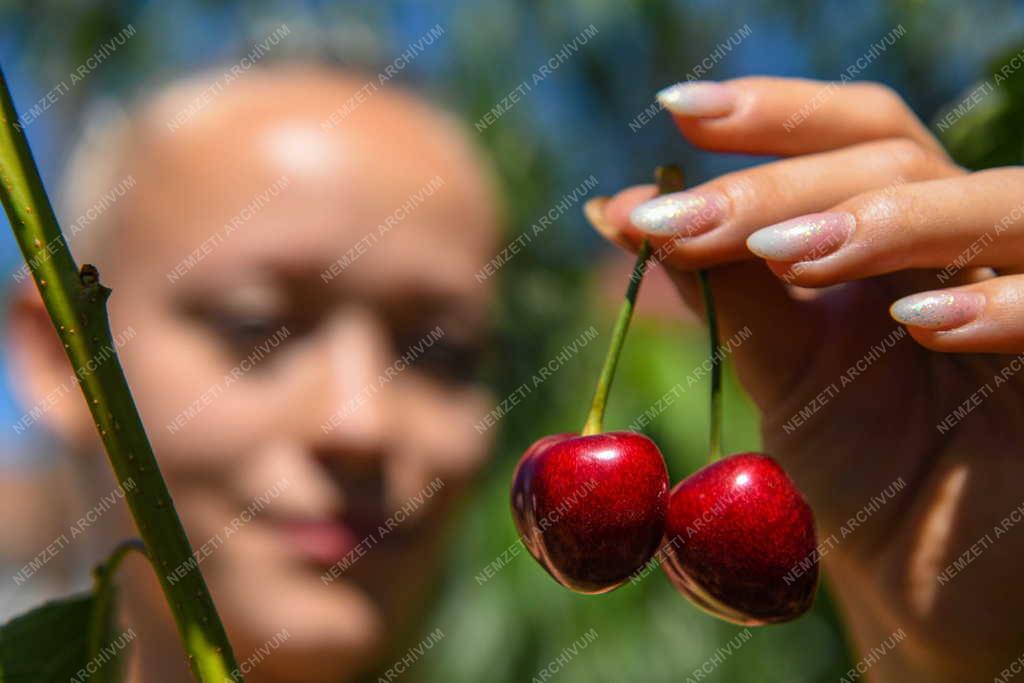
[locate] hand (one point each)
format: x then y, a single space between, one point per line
906 438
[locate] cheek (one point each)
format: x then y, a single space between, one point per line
195 414
439 428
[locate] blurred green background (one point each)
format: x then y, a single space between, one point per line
573 124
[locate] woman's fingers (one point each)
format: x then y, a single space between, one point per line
789 116
757 331
984 317
709 224
947 225
943 231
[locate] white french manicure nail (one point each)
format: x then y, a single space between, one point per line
698 99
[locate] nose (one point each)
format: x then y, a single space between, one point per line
353 416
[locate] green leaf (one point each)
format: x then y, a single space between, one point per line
50 644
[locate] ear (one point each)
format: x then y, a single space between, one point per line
42 375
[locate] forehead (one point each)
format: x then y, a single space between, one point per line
271 175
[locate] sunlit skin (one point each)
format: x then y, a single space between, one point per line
330 489
861 150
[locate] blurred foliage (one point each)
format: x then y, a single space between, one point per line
984 124
571 125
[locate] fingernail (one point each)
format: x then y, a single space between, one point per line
593 209
699 99
688 213
807 238
938 310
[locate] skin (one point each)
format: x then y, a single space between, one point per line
862 150
344 335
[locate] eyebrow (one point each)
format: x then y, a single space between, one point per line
431 293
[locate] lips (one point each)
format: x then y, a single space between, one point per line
344 539
321 541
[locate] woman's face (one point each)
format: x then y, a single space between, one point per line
307 325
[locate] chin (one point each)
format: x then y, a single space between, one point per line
300 629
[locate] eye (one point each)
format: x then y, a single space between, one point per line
250 330
440 354
244 334
455 361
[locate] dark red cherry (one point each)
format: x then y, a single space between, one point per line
740 541
591 509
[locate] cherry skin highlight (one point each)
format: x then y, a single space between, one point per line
740 541
591 509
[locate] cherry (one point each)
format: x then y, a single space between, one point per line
591 509
740 541
739 536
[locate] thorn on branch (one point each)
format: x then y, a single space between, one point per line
89 276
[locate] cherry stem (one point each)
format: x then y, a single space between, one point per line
669 179
595 419
715 416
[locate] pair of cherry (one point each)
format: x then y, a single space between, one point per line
594 508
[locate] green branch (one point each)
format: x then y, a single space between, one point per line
76 302
103 602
